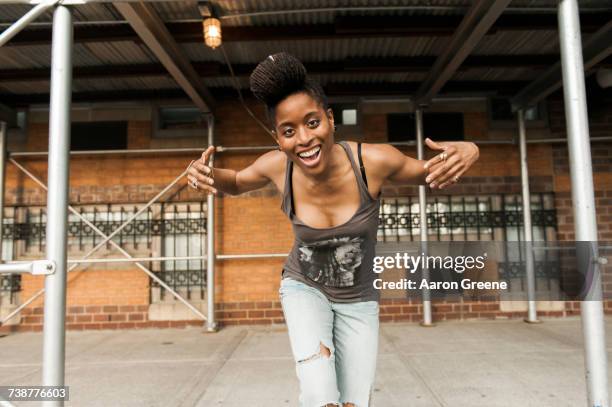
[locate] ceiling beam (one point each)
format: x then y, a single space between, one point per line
150 28
345 27
475 24
347 66
595 50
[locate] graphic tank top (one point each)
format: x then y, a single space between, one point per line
338 260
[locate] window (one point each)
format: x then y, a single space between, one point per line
179 121
16 124
10 284
438 126
345 114
98 136
186 238
163 230
492 218
468 218
502 116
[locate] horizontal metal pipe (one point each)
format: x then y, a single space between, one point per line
564 140
250 256
165 258
16 267
139 151
221 149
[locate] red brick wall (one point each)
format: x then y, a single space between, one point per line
600 124
247 290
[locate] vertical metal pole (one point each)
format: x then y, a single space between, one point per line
211 325
3 137
423 217
532 316
581 171
57 200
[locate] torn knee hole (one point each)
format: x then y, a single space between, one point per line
323 351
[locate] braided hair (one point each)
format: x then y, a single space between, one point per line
281 75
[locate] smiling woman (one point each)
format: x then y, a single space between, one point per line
330 193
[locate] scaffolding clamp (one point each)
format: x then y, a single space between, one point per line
36 267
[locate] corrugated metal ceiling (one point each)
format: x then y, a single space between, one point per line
540 42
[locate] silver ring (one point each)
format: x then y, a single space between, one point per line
443 156
194 183
456 178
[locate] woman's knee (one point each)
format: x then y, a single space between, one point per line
316 371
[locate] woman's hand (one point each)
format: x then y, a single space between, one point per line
200 175
446 168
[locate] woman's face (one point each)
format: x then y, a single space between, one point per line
304 131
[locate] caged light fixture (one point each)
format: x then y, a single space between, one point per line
212 32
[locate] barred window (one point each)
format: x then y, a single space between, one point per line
162 230
484 217
10 284
544 225
134 237
186 238
480 218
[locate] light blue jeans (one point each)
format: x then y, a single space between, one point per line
348 330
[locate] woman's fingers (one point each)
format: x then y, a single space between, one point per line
200 182
442 157
206 154
433 145
437 176
452 176
446 167
198 174
440 163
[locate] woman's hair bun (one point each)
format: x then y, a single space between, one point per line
277 77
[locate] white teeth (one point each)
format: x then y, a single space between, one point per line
310 153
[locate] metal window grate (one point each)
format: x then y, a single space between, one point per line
162 230
463 217
478 218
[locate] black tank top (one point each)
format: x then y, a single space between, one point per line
338 260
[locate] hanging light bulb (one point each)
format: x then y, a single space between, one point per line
212 32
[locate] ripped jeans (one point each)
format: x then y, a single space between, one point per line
348 330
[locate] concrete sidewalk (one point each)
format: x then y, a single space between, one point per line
484 363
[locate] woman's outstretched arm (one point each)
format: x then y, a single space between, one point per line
390 164
257 175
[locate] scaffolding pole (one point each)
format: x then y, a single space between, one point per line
57 201
211 324
583 197
423 221
3 136
532 316
27 18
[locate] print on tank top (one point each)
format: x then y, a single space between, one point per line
333 262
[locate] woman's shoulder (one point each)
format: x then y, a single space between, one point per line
373 154
275 159
272 164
